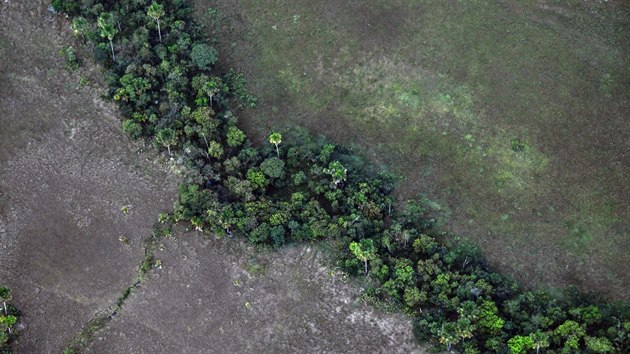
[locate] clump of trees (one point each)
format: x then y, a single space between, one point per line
298 188
9 316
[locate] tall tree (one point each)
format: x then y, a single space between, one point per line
337 171
448 335
539 340
364 250
464 329
5 295
276 139
108 29
167 137
155 11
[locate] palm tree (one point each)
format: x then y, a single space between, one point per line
364 250
108 30
167 137
155 11
276 139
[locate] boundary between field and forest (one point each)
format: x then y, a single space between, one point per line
159 66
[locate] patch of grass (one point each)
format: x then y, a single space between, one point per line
86 335
492 108
255 266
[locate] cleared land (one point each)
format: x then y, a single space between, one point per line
223 297
66 170
511 117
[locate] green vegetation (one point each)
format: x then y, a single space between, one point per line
155 11
276 139
72 63
440 91
9 316
311 190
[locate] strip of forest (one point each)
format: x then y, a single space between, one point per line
160 67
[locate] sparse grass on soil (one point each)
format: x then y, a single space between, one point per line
511 117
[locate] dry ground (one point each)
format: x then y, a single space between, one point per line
66 170
218 296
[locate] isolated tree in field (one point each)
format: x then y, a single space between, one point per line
108 29
5 295
276 139
364 250
155 11
167 138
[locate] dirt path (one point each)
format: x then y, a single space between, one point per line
66 170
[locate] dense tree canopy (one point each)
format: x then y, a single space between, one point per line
170 94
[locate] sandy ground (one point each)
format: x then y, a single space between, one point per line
66 170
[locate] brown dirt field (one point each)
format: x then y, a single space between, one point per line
66 170
221 296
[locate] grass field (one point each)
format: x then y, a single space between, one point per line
513 118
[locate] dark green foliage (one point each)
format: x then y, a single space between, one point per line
311 190
273 167
69 7
203 55
9 316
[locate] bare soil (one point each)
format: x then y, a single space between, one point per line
221 296
66 170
